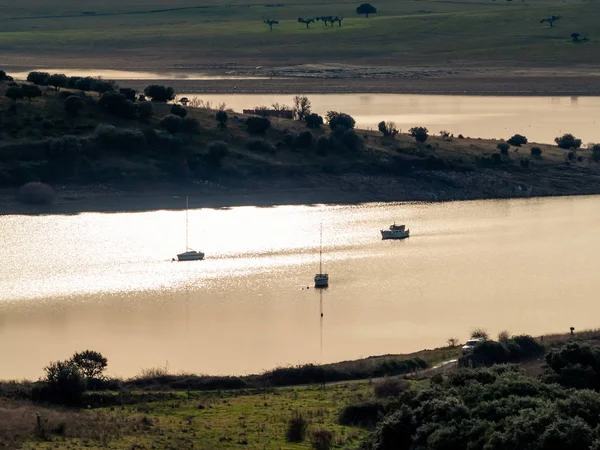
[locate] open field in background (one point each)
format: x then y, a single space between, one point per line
433 33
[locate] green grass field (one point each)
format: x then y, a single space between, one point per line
433 32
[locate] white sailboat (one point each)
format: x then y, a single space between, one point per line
321 279
188 255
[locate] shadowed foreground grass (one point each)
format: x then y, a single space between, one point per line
186 420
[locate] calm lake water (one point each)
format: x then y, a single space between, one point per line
106 282
541 119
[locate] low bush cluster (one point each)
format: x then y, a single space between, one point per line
514 349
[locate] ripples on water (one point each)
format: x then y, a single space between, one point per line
106 281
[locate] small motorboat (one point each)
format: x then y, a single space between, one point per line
190 255
395 232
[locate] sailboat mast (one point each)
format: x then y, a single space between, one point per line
187 200
321 252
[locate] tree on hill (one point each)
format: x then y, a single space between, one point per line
366 9
90 363
302 107
338 20
3 76
550 20
57 81
222 118
270 23
38 78
31 91
307 22
387 128
160 94
419 133
171 123
14 93
73 105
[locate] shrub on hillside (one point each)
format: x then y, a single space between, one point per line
536 152
90 363
363 415
576 365
73 105
321 439
257 125
65 383
595 152
567 141
419 133
517 140
222 118
296 428
190 125
351 141
57 81
31 91
178 110
145 110
35 193
260 146
116 104
341 121
38 78
515 349
387 128
128 93
503 147
171 123
65 149
391 387
14 93
160 94
313 121
121 139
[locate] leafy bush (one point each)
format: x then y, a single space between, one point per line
341 121
90 363
351 141
296 429
178 110
419 133
31 91
391 387
313 121
14 93
387 128
222 118
190 125
160 94
305 139
512 349
57 80
73 105
536 152
145 110
567 141
364 414
35 193
595 152
321 439
479 333
38 78
171 123
517 140
116 104
128 93
258 125
65 383
503 147
576 365
121 139
3 76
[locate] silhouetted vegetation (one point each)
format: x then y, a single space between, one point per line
390 387
307 22
366 9
503 147
73 105
536 152
145 110
550 20
568 141
257 125
517 140
222 118
387 128
38 78
296 429
301 107
340 121
160 94
57 80
321 439
313 121
178 110
270 23
507 350
419 133
171 123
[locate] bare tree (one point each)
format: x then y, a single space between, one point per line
453 342
550 20
271 23
302 107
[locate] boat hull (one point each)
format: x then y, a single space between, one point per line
394 234
321 280
190 256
